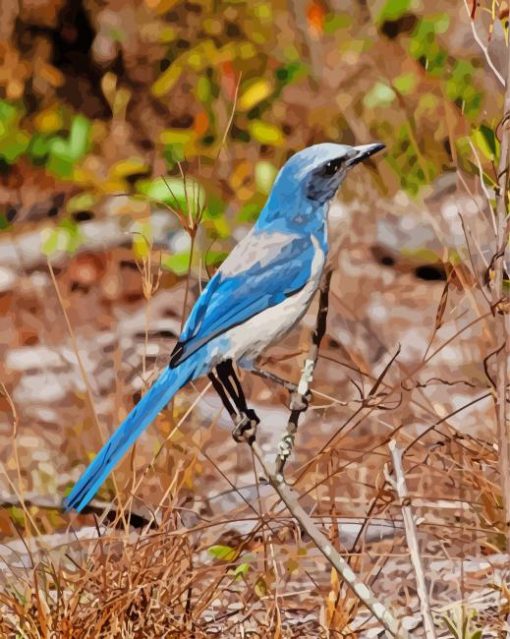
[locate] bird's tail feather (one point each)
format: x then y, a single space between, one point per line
154 400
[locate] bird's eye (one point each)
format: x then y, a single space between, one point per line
331 167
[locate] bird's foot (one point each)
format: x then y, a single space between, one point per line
298 402
285 448
246 427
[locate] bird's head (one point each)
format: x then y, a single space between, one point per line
319 170
309 180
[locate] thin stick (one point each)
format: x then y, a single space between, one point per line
400 486
231 118
482 46
89 394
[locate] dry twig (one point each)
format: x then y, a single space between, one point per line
360 589
400 486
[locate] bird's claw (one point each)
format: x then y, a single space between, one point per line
285 448
246 427
298 402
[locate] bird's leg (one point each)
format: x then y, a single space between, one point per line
247 420
218 387
301 396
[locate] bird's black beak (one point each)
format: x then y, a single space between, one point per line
364 151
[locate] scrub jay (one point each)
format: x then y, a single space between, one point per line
259 292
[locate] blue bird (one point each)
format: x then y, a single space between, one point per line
260 291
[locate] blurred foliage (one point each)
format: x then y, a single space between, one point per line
106 101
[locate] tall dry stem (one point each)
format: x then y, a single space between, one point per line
500 308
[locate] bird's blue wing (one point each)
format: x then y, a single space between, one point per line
262 271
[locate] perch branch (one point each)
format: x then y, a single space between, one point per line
300 398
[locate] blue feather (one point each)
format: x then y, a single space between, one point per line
154 400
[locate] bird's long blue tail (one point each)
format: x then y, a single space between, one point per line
154 400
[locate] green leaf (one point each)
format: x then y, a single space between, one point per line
81 202
336 21
225 553
485 139
8 112
4 222
176 136
290 72
13 141
79 137
265 133
178 263
392 10
204 54
215 258
218 227
65 237
74 238
187 195
203 89
424 45
405 83
249 212
141 246
214 209
49 241
64 154
13 144
241 570
39 147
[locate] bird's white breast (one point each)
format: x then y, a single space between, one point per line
248 340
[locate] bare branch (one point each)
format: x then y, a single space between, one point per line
359 588
400 487
300 398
